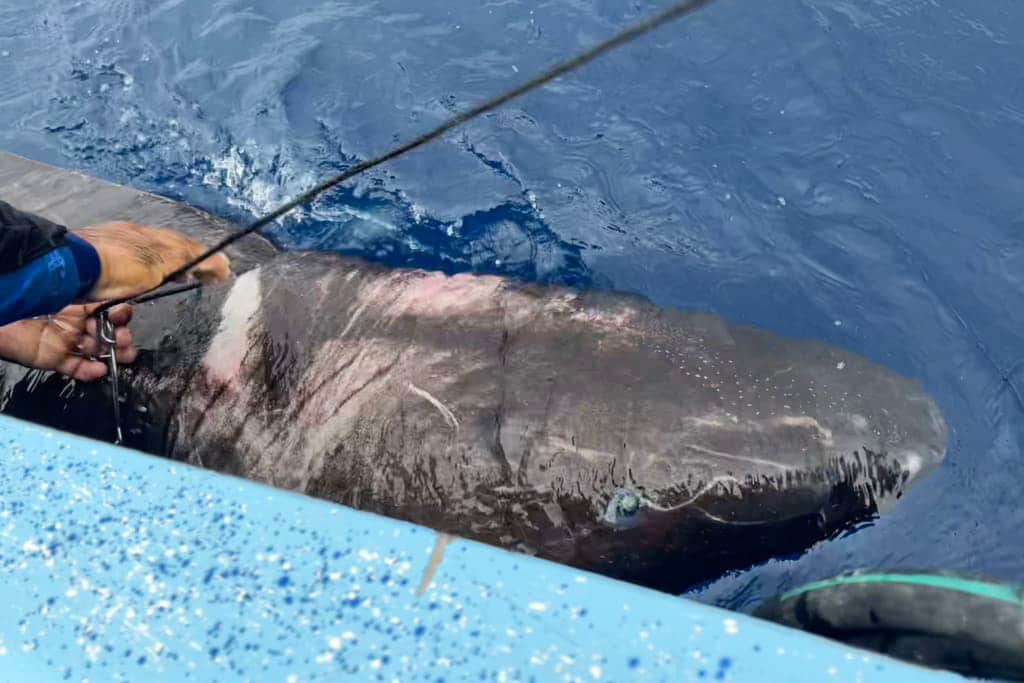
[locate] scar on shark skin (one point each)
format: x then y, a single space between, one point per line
435 561
448 415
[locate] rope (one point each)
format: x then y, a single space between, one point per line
627 35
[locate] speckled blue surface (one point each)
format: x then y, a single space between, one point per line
116 566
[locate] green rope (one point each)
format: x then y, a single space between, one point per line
972 587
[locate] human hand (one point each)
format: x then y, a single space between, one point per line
66 342
136 258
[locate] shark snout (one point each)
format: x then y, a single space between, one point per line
924 446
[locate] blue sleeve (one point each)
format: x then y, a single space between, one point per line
88 262
45 285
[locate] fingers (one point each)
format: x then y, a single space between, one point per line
91 370
82 369
121 315
88 345
127 356
217 268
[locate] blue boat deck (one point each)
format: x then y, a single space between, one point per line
117 566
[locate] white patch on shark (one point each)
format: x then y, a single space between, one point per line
725 420
719 419
740 458
809 423
223 359
721 479
442 408
356 314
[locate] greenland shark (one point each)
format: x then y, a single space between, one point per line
590 428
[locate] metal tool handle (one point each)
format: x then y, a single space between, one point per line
107 336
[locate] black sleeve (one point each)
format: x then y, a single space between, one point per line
24 237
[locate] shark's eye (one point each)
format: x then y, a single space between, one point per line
623 507
629 504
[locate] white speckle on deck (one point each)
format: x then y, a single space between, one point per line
538 606
731 627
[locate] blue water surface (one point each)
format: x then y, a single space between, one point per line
847 170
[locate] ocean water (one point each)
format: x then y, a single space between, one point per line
847 170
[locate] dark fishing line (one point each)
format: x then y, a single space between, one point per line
627 35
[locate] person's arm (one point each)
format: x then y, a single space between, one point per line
44 268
